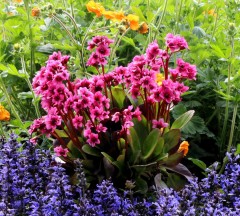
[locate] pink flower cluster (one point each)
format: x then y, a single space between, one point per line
82 108
98 58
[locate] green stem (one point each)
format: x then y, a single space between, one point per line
235 108
35 102
9 101
65 28
223 134
215 25
116 46
178 16
161 19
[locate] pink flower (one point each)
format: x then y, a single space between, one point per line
103 50
176 43
60 151
77 121
93 139
159 123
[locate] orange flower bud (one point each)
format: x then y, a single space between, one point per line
183 148
143 28
4 114
35 12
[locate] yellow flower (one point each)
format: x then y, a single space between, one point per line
96 8
4 114
133 21
143 28
159 78
35 12
183 148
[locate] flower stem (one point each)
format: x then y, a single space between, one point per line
35 102
223 134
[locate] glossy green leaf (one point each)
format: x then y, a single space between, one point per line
150 143
182 120
91 150
171 139
157 153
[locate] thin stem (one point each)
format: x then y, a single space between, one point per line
215 25
161 19
178 15
35 102
223 134
65 28
235 108
32 56
116 46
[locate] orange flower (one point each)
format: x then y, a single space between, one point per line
183 148
109 14
96 8
143 28
119 16
133 21
4 114
35 12
18 1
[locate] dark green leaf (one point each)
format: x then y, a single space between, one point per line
171 139
198 163
150 143
91 150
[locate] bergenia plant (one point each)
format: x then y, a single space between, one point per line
118 122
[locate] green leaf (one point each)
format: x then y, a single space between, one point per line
195 125
129 41
181 121
91 150
135 146
199 32
139 13
175 181
157 153
11 69
217 51
141 185
108 157
118 95
173 159
46 49
198 163
171 139
74 151
181 169
150 143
